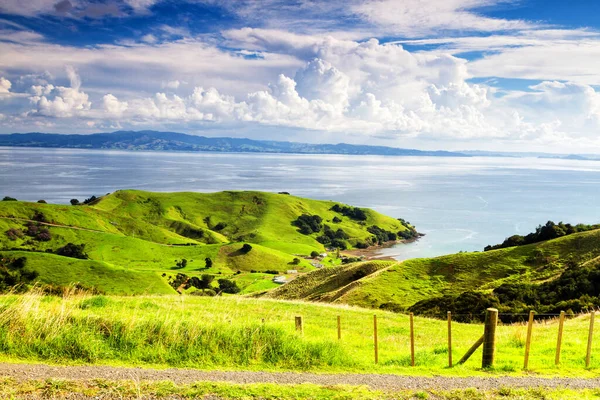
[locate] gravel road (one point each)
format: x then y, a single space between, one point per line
375 381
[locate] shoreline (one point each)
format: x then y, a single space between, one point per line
370 252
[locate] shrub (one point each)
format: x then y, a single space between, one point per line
42 201
73 251
355 213
246 248
90 200
314 254
74 202
295 261
39 217
272 272
208 263
336 220
308 224
13 275
220 226
14 233
7 198
228 286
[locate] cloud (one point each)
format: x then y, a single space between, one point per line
4 85
61 101
422 18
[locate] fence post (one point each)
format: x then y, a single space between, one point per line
375 339
449 339
489 338
588 356
412 341
339 326
299 325
561 321
528 339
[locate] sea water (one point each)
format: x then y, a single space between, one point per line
461 204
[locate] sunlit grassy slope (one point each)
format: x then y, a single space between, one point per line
133 233
228 332
403 284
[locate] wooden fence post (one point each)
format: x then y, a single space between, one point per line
528 339
489 338
588 356
339 326
561 321
449 339
375 339
299 325
412 341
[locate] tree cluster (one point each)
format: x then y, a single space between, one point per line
333 238
577 289
354 213
13 275
542 233
73 250
308 224
381 235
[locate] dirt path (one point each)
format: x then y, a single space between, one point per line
375 381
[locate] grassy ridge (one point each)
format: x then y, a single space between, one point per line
133 232
399 285
227 332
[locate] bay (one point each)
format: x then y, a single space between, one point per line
461 204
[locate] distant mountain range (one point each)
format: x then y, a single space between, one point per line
173 141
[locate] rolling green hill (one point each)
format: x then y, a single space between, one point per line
397 286
140 236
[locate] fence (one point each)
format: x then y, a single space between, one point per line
487 340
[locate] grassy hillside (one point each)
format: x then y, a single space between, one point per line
133 233
228 332
399 285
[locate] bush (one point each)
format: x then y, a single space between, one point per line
74 202
228 286
220 226
272 272
73 251
13 275
355 213
314 254
208 263
295 261
381 235
246 248
90 200
308 224
7 198
42 201
336 220
14 233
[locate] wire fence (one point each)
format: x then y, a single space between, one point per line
488 340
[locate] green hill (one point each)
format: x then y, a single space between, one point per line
398 286
133 233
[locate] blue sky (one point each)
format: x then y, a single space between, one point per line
449 74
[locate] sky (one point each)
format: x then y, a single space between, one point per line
510 75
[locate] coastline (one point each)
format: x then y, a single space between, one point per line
370 252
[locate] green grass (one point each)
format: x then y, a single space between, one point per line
133 232
227 332
64 271
129 389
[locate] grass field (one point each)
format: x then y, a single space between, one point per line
130 389
227 332
130 233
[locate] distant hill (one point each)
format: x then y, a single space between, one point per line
136 240
172 141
